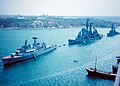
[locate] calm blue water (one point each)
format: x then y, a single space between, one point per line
57 68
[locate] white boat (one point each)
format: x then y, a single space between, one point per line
28 51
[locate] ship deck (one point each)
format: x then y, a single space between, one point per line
102 72
28 51
9 57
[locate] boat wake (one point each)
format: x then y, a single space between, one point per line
62 78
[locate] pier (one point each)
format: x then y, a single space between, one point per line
117 80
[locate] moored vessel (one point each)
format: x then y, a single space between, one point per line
112 32
101 74
87 34
28 51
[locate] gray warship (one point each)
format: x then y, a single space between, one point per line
86 34
112 32
28 51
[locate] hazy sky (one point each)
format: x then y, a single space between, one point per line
61 7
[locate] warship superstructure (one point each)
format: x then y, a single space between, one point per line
28 51
86 34
112 32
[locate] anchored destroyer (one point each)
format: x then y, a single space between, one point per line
112 32
28 51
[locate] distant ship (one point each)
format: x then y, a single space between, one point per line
28 51
86 35
98 73
112 32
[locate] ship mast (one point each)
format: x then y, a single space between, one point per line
87 24
25 46
95 64
90 30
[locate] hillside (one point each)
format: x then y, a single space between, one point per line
45 21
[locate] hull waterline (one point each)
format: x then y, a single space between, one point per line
8 61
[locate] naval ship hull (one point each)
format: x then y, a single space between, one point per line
25 56
71 42
112 34
74 41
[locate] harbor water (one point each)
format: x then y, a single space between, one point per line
63 67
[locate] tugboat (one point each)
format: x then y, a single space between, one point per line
98 73
28 51
112 32
86 34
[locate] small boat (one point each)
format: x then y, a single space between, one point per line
64 44
114 69
75 61
28 51
101 74
59 46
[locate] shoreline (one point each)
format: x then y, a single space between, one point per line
17 28
27 28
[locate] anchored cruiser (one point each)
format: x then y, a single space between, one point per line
86 35
28 51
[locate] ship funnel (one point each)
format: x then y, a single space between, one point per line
25 42
90 31
35 41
